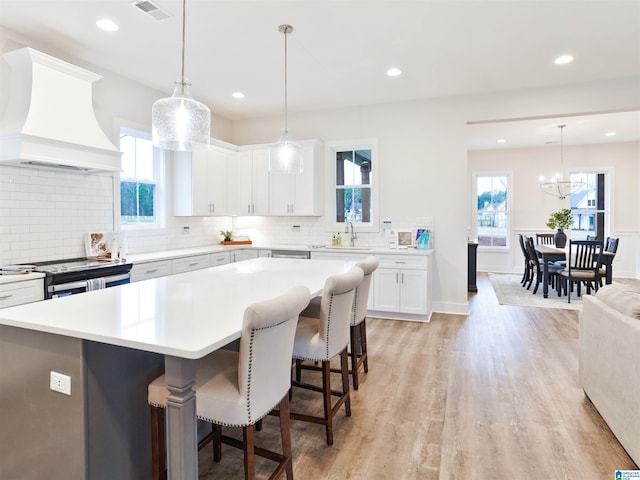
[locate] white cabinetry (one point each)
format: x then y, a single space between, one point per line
17 293
401 285
145 271
244 254
344 256
200 182
299 193
221 258
252 170
187 264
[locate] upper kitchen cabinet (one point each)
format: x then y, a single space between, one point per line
299 193
252 170
201 181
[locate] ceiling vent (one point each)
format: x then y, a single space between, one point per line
149 8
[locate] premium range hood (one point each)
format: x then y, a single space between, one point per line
49 119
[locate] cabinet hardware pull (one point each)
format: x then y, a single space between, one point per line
396 277
402 277
153 270
398 261
193 264
4 297
213 208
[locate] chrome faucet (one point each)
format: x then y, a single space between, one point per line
349 229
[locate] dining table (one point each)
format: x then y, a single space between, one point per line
184 317
548 253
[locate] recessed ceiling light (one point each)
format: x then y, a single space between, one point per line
610 134
237 95
501 140
563 59
394 72
107 25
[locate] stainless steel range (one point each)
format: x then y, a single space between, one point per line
78 275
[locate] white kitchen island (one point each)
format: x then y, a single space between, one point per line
183 317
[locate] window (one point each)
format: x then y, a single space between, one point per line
354 172
139 180
588 207
492 210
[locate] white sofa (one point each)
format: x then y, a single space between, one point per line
610 360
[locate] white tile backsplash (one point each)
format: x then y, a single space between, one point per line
44 215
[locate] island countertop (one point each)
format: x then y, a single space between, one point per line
185 315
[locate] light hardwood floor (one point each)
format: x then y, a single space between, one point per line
494 395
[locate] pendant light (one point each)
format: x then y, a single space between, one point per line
180 122
557 185
285 156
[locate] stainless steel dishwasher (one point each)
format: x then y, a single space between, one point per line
302 254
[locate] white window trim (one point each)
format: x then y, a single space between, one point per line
159 159
330 171
474 210
609 201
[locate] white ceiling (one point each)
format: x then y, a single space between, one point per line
339 52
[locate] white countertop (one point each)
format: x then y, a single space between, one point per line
185 252
20 277
186 315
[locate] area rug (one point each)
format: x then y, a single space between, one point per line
510 292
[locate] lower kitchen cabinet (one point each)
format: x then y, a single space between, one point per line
18 293
221 258
145 271
244 254
186 264
402 287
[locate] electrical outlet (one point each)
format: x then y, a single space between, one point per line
60 383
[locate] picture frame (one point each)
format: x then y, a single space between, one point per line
405 238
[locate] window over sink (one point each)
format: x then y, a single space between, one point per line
353 170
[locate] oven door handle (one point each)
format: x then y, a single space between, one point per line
60 287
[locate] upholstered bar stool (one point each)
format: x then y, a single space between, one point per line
321 339
240 388
358 324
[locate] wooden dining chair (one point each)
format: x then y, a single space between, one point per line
239 388
545 238
582 266
528 272
537 267
605 261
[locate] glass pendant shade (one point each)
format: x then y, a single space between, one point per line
285 156
180 122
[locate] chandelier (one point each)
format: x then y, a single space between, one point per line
179 122
557 185
285 156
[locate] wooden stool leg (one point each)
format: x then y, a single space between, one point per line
354 355
249 455
344 363
326 396
217 442
298 370
285 435
158 444
363 344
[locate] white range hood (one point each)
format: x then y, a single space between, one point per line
49 120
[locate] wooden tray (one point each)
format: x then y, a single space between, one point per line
237 242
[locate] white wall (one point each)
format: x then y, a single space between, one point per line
531 207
